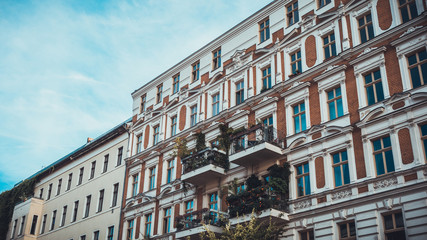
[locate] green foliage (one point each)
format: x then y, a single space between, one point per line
180 149
279 179
9 199
253 182
254 229
200 142
224 138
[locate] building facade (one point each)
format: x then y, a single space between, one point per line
79 196
336 89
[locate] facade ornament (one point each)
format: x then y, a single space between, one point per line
410 30
302 204
385 183
341 194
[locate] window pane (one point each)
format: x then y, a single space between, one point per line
307 184
412 59
379 164
336 158
297 126
368 78
299 170
306 169
346 173
389 161
300 186
386 142
303 124
388 222
414 12
343 230
380 92
337 174
339 107
377 144
352 229
332 114
415 77
399 220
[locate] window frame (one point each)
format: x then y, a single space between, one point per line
335 100
266 78
170 171
374 85
418 66
152 178
175 83
322 3
308 234
167 216
216 99
106 159
300 115
139 139
297 62
216 59
143 103
347 225
119 156
130 229
156 135
383 151
303 177
135 181
293 10
193 115
110 233
340 165
174 124
64 215
408 10
148 224
159 93
365 27
195 71
264 30
240 92
395 228
330 46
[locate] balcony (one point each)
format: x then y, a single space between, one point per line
204 166
259 143
190 225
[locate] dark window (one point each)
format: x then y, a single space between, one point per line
383 155
366 30
115 194
92 170
374 87
81 175
347 231
292 13
105 163
418 67
329 46
33 225
195 72
70 178
264 30
408 10
87 210
119 156
175 84
100 200
307 235
394 226
216 59
76 208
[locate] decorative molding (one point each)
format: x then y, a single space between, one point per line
302 204
341 194
410 30
385 183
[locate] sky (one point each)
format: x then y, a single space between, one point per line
68 68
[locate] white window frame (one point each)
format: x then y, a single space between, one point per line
297 97
354 25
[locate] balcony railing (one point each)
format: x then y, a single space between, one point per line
204 158
198 218
254 136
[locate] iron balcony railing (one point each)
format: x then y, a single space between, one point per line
203 158
254 136
198 218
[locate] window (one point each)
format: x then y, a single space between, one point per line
366 30
49 191
152 178
43 226
240 94
307 235
21 228
81 175
33 225
268 121
64 215
52 224
41 193
148 219
76 209
292 13
264 30
193 116
70 179
195 71
418 67
100 200
92 170
143 103
424 138
394 228
170 169
335 103
110 235
119 156
215 104
159 93
347 231
329 46
408 10
139 143
15 223
156 135
374 87
105 163
216 59
129 234
115 194
241 188
173 126
213 206
383 155
87 209
175 84
299 117
96 235
167 220
58 190
303 180
83 237
340 168
323 3
266 78
189 206
135 185
296 62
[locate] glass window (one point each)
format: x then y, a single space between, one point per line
424 138
240 94
87 210
266 78
58 190
292 13
115 194
139 143
307 235
170 171
52 224
100 200
129 232
64 215
49 191
33 225
323 3
299 117
143 102
75 211
105 163
92 170
374 87
148 220
195 72
96 235
296 62
152 178
156 135
167 220
70 179
213 206
189 206
329 46
340 168
43 226
408 10
366 30
119 156
383 155
418 67
264 30
347 231
193 116
159 93
110 235
215 104
175 84
394 228
81 176
135 184
216 59
173 126
303 180
335 103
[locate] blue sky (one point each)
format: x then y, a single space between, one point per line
67 68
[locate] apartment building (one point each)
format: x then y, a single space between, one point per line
336 89
79 196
